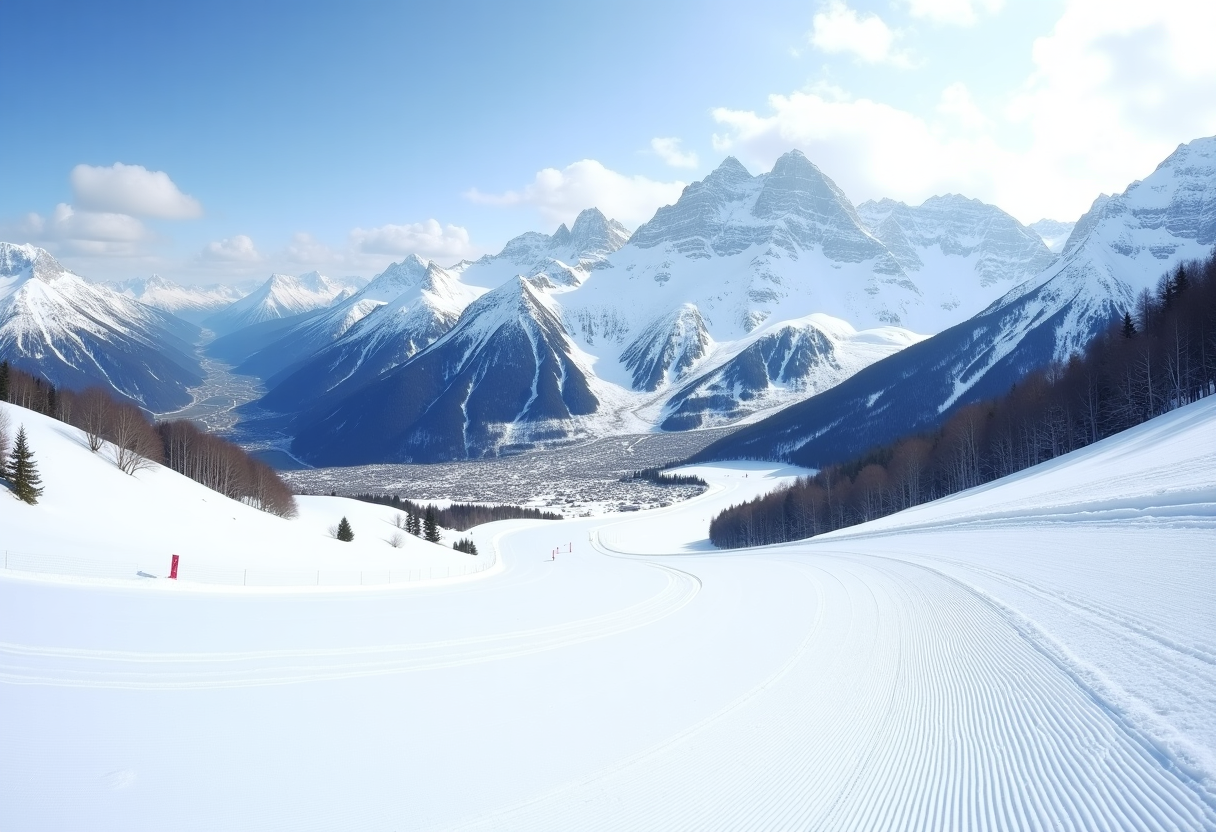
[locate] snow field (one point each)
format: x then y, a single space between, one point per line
95 520
1030 655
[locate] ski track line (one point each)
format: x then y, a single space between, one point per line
1086 608
912 703
19 664
1084 676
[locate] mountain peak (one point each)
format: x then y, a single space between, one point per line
732 165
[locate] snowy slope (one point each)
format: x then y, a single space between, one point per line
961 253
281 297
93 515
1035 654
78 334
1120 247
190 303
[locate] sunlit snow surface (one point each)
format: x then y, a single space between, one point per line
1035 654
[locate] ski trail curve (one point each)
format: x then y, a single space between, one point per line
132 670
912 704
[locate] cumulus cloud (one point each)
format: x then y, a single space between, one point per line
428 240
66 223
132 190
838 28
559 195
668 149
238 249
956 12
1116 86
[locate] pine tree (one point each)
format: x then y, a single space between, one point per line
430 527
23 471
413 525
345 533
1129 327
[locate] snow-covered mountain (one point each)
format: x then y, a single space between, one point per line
1054 233
281 297
77 334
961 253
409 306
505 376
190 303
1120 247
564 258
742 297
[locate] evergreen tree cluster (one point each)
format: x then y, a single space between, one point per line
458 516
658 477
465 545
1158 357
136 443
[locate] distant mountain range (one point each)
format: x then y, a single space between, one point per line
190 303
282 296
749 296
1119 248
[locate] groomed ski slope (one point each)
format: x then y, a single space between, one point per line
1034 654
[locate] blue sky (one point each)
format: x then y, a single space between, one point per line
217 142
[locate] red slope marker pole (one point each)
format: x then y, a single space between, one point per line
173 569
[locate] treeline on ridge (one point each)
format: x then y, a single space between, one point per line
136 443
1162 355
459 516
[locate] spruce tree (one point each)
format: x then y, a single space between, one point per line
414 525
1129 328
23 471
345 533
3 381
430 528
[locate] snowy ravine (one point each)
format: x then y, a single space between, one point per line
1033 654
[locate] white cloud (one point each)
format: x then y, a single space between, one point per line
133 190
839 28
238 249
956 12
429 240
559 195
1117 85
66 223
305 248
668 149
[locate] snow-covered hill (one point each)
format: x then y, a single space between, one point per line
282 296
190 303
1033 654
93 518
1119 248
77 334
